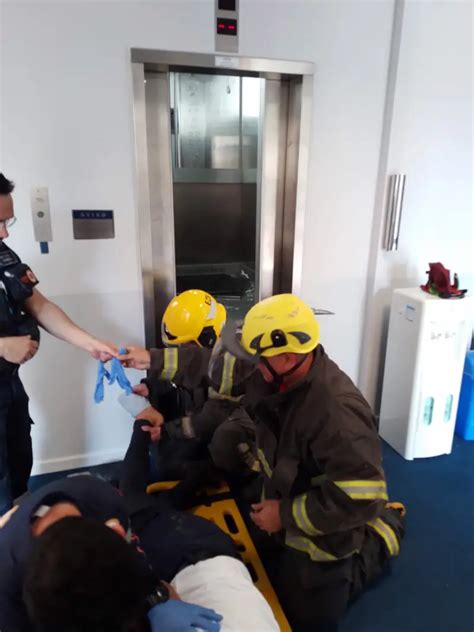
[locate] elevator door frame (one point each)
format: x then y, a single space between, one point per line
281 185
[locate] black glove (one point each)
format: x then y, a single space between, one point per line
166 397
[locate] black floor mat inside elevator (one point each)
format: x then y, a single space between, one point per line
220 284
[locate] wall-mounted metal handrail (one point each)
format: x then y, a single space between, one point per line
396 189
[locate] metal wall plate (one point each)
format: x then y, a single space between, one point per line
41 214
88 224
167 60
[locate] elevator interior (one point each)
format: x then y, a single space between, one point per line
221 150
215 123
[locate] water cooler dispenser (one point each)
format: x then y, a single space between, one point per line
427 341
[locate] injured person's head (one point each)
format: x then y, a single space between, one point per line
83 575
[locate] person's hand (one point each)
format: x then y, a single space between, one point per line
179 616
102 350
172 590
266 515
6 517
136 358
18 349
155 418
142 390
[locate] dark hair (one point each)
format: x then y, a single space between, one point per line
82 576
6 186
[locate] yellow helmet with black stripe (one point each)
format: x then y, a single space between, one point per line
280 324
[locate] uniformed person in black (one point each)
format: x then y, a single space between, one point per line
22 309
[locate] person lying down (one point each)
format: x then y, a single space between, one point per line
80 555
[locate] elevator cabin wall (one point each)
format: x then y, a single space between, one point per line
214 137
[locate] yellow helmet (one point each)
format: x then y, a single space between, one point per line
280 324
193 316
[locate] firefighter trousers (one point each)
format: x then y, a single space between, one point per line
315 595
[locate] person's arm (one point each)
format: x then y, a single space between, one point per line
135 466
58 324
353 491
185 366
6 517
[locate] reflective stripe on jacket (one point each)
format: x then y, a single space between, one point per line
187 366
319 451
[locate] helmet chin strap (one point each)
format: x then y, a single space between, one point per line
279 378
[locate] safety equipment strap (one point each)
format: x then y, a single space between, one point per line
266 468
279 378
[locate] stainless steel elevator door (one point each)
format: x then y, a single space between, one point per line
215 134
221 155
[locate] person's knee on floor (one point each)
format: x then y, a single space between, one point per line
232 449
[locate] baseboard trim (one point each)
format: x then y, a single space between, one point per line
76 461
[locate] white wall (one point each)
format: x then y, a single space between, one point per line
66 122
350 44
431 141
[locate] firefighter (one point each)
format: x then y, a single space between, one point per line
324 499
205 417
324 494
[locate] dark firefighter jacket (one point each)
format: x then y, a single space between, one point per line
319 451
207 405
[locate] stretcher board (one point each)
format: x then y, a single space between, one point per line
221 488
226 515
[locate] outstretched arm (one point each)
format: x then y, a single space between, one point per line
56 322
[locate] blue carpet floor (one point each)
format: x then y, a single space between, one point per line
431 586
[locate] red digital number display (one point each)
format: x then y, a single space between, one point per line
226 26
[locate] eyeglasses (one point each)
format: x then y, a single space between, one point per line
8 223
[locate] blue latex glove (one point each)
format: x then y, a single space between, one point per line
99 383
117 374
179 616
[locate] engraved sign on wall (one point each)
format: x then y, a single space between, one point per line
93 224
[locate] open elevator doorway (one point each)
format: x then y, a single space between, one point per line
215 130
221 153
